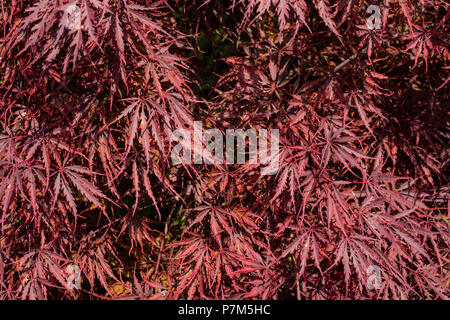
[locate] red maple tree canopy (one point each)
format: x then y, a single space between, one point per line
93 206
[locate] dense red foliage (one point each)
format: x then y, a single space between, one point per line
86 177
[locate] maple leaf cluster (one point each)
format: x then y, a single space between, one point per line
87 182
